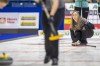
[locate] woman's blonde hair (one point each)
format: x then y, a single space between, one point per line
72 23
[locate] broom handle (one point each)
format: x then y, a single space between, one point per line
45 9
48 16
81 9
91 46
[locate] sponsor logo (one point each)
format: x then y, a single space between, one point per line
72 6
97 33
95 7
2 20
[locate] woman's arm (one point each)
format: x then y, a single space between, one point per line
90 1
54 7
98 1
37 1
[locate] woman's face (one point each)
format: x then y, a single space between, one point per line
2 5
75 16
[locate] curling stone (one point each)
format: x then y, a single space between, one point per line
5 60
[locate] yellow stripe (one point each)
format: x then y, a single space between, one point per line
67 21
28 23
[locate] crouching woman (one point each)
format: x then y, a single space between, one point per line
77 30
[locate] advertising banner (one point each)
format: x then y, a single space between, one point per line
19 20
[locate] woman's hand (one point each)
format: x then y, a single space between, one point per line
84 19
37 1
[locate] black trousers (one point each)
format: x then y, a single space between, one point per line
99 11
78 35
51 47
85 11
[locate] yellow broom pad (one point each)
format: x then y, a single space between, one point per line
53 38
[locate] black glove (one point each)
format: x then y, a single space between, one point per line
51 19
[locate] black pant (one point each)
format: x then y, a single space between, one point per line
78 35
85 11
51 47
99 11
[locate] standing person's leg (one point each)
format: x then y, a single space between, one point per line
59 16
85 12
99 11
78 9
46 30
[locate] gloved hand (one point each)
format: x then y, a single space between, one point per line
51 19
